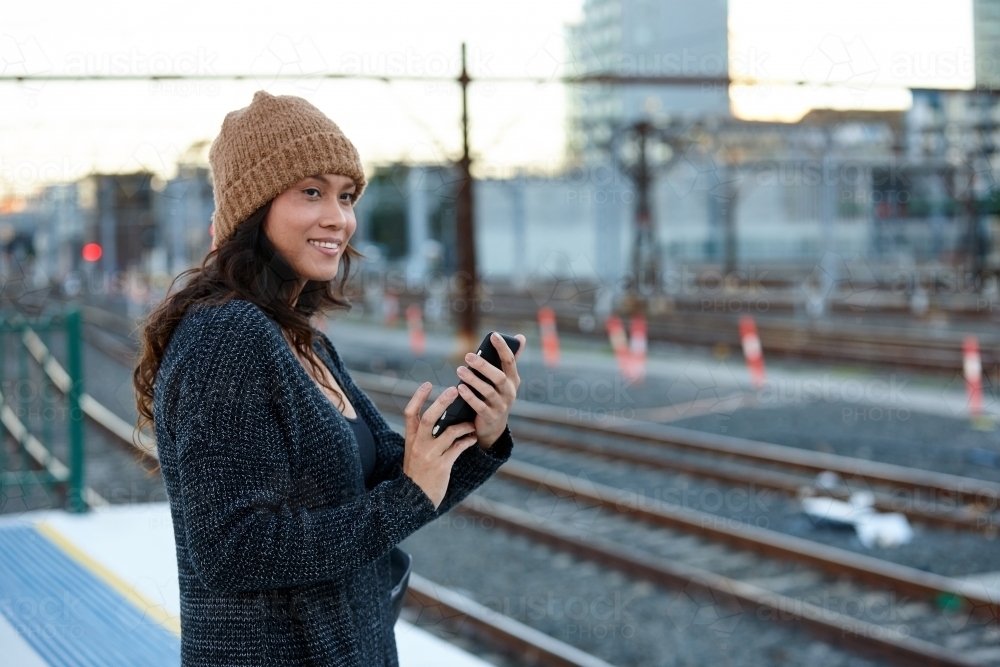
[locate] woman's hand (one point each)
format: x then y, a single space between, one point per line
428 460
492 411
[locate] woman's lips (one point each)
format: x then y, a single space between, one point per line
329 252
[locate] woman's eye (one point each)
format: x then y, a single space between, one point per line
350 196
316 190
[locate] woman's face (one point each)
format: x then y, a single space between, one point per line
311 222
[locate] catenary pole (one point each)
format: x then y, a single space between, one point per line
465 302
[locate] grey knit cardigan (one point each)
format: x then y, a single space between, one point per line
282 550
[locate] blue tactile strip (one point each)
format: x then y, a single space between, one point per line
68 615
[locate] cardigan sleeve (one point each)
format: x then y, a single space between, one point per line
472 467
244 531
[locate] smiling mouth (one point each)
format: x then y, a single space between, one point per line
329 245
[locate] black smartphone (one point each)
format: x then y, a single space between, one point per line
459 411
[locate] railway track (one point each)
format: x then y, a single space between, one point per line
915 347
872 605
425 598
917 634
937 499
890 346
906 343
790 594
856 298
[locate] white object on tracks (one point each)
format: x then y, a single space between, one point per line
873 528
885 530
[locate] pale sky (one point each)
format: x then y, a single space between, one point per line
879 48
60 131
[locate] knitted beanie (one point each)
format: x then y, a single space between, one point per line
269 146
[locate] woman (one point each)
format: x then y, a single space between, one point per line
283 517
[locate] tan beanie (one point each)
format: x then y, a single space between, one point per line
269 146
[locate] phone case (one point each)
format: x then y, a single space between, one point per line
459 411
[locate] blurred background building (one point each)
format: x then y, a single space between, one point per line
914 186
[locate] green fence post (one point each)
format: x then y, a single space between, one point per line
75 369
43 383
23 406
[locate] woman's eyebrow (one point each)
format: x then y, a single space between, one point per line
319 177
324 179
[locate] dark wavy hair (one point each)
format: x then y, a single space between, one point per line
246 266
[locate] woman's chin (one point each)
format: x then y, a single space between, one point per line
322 276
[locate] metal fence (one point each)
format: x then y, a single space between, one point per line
41 421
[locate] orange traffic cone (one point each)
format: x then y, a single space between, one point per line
973 370
550 339
752 351
616 334
637 347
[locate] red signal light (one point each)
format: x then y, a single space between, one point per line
91 252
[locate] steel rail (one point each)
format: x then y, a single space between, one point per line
792 485
698 318
810 345
528 643
819 341
835 626
961 489
761 540
734 473
953 488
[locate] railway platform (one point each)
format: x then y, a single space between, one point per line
100 589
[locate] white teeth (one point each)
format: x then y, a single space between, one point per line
325 244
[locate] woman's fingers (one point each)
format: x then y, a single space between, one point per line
455 436
456 432
485 388
411 413
524 341
506 357
508 364
437 408
474 402
459 446
489 371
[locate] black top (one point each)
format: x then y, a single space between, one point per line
366 443
282 553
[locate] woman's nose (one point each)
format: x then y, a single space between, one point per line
335 215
